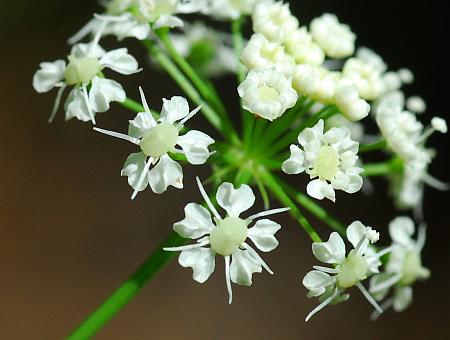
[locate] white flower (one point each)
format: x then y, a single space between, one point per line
406 76
260 53
356 128
316 82
365 76
328 157
347 99
159 12
227 9
267 93
330 284
336 39
416 104
274 20
300 45
85 67
226 236
370 57
403 268
208 50
156 140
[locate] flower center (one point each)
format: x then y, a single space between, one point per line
352 270
159 140
267 93
229 234
81 70
412 269
327 163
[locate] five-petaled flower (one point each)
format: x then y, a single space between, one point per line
403 268
158 138
91 92
329 157
330 284
226 236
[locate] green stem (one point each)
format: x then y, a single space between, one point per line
381 144
200 84
127 290
191 92
394 165
277 190
238 44
314 208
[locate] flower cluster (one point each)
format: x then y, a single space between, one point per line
306 83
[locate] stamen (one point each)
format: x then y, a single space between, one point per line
144 173
369 297
325 303
188 247
385 305
87 102
256 255
96 39
326 269
384 252
227 279
386 284
56 104
146 108
267 213
207 200
118 135
189 116
421 237
84 31
435 183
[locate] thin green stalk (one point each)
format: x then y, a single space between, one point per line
378 145
277 190
127 290
199 83
192 93
238 44
290 137
313 208
394 165
255 138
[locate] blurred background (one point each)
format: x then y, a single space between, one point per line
69 234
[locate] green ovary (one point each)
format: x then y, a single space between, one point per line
352 270
159 140
229 234
81 70
412 269
327 163
267 93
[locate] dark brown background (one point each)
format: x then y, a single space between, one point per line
70 235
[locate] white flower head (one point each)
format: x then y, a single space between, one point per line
365 76
404 266
300 45
349 102
158 138
227 9
316 82
84 70
330 284
274 20
267 93
328 158
370 57
226 236
260 53
336 39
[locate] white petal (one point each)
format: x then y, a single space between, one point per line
174 109
168 21
403 298
103 92
262 235
195 146
320 189
143 122
316 282
166 172
76 107
133 168
201 260
356 232
242 267
84 50
235 201
332 251
350 183
49 75
312 137
401 229
120 61
296 162
196 223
